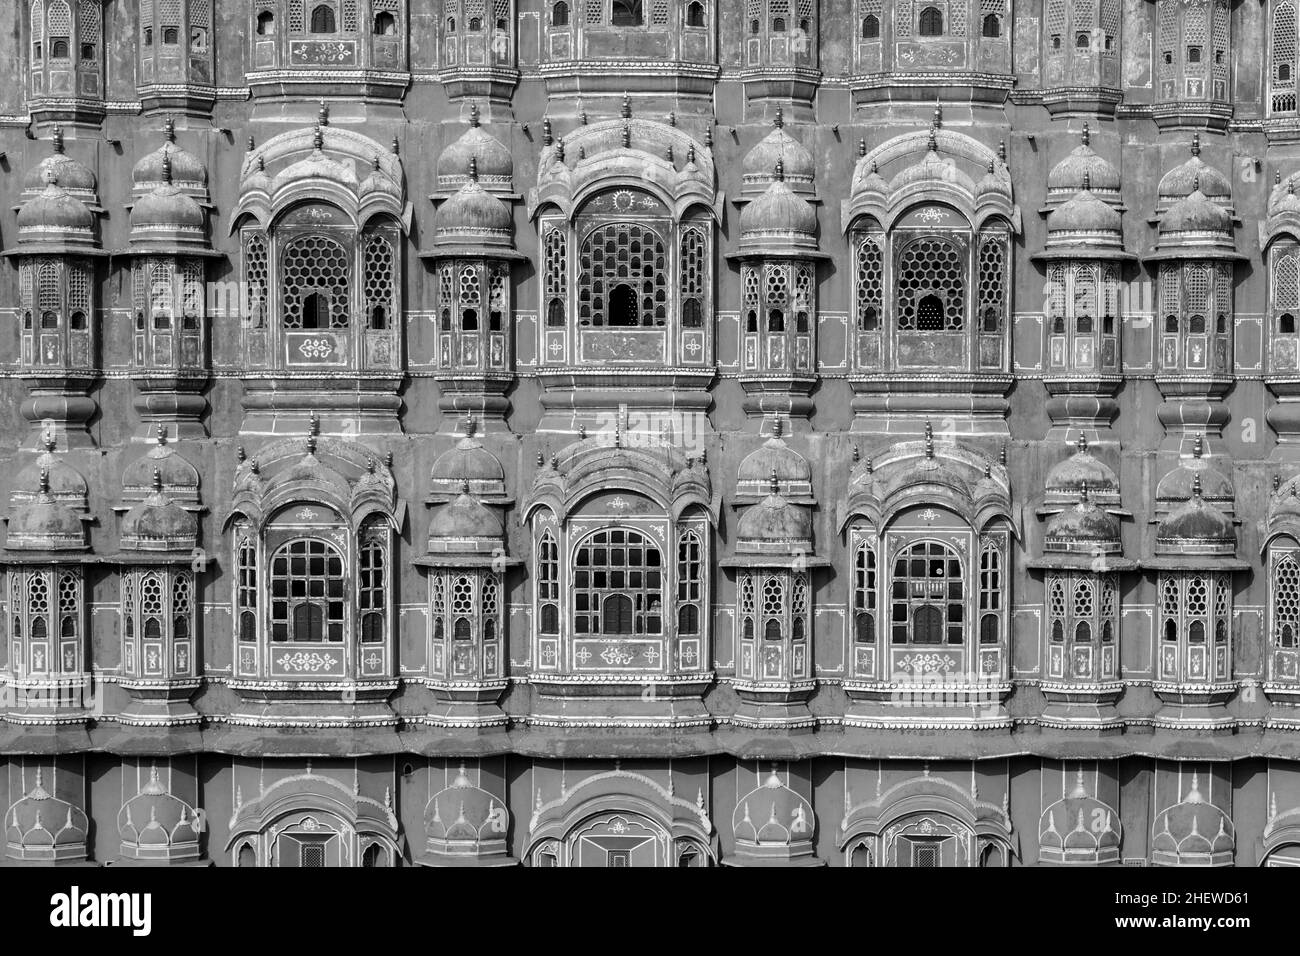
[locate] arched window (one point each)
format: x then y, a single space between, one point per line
315 276
931 22
695 14
548 584
372 582
1286 600
626 13
322 19
560 14
928 596
990 596
871 28
265 28
307 589
618 583
246 856
385 24
625 277
931 286
864 595
992 26
623 307
690 582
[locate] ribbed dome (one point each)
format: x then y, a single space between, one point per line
772 815
1183 180
55 217
1179 483
473 216
155 820
42 523
1083 164
73 176
41 826
168 215
1079 829
171 163
468 462
495 166
1192 832
1084 217
66 484
159 524
773 458
1083 528
1195 213
464 517
774 526
779 211
778 147
180 479
1081 470
1197 528
463 811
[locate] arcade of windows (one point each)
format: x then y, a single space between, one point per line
931 20
47 610
329 18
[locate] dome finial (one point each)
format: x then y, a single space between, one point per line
1002 456
672 118
240 454
1277 177
1002 151
938 115
469 425
776 483
627 136
45 481
473 115
929 439
167 169
708 137
857 454
862 147
1083 492
318 138
1085 137
582 118
169 129
157 481
396 147
548 135
779 171
56 138
323 114
374 162
1196 144
625 110
464 486
1079 791
559 150
934 143
252 143
779 119
1196 183
473 169
582 433
1194 794
1196 488
777 427
313 430
1082 444
49 441
1197 447
668 153
160 433
1087 181
690 155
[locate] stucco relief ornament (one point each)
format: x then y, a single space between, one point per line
316 348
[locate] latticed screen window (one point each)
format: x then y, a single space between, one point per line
246 582
693 277
379 281
555 261
992 282
90 22
928 595
990 596
372 583
618 584
595 11
1284 276
255 279
45 621
314 272
1286 600
864 595
931 286
870 281
624 280
548 584
869 16
1282 37
38 31
59 29
992 13
1195 626
307 592
690 582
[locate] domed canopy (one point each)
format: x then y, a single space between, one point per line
66 484
473 222
774 530
42 827
159 524
155 825
1084 226
42 523
168 220
180 479
1192 833
465 825
1082 470
1079 829
774 457
55 222
1083 529
771 820
1083 165
778 223
465 526
75 178
778 147
468 462
476 154
1192 176
1196 528
170 163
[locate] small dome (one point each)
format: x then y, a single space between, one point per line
1192 176
778 147
473 217
180 479
1083 164
74 177
1195 213
168 215
1192 832
66 484
41 523
772 815
170 163
1083 528
778 222
464 518
1079 829
464 812
155 820
1084 219
468 461
1178 483
774 457
55 217
1081 470
159 524
475 148
40 826
774 526
309 470
1196 528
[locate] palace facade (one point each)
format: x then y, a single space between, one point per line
650 432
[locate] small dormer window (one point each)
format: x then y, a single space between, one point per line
695 15
385 24
265 25
1056 42
992 27
931 22
59 48
170 36
1082 41
871 28
322 19
560 14
778 24
1193 54
627 13
1169 57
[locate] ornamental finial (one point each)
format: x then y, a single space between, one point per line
473 115
473 169
1082 444
317 139
45 481
929 439
779 119
167 169
1196 144
862 147
548 135
57 138
169 129
776 483
627 136
323 114
1085 136
1087 181
625 111
157 481
779 172
160 433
